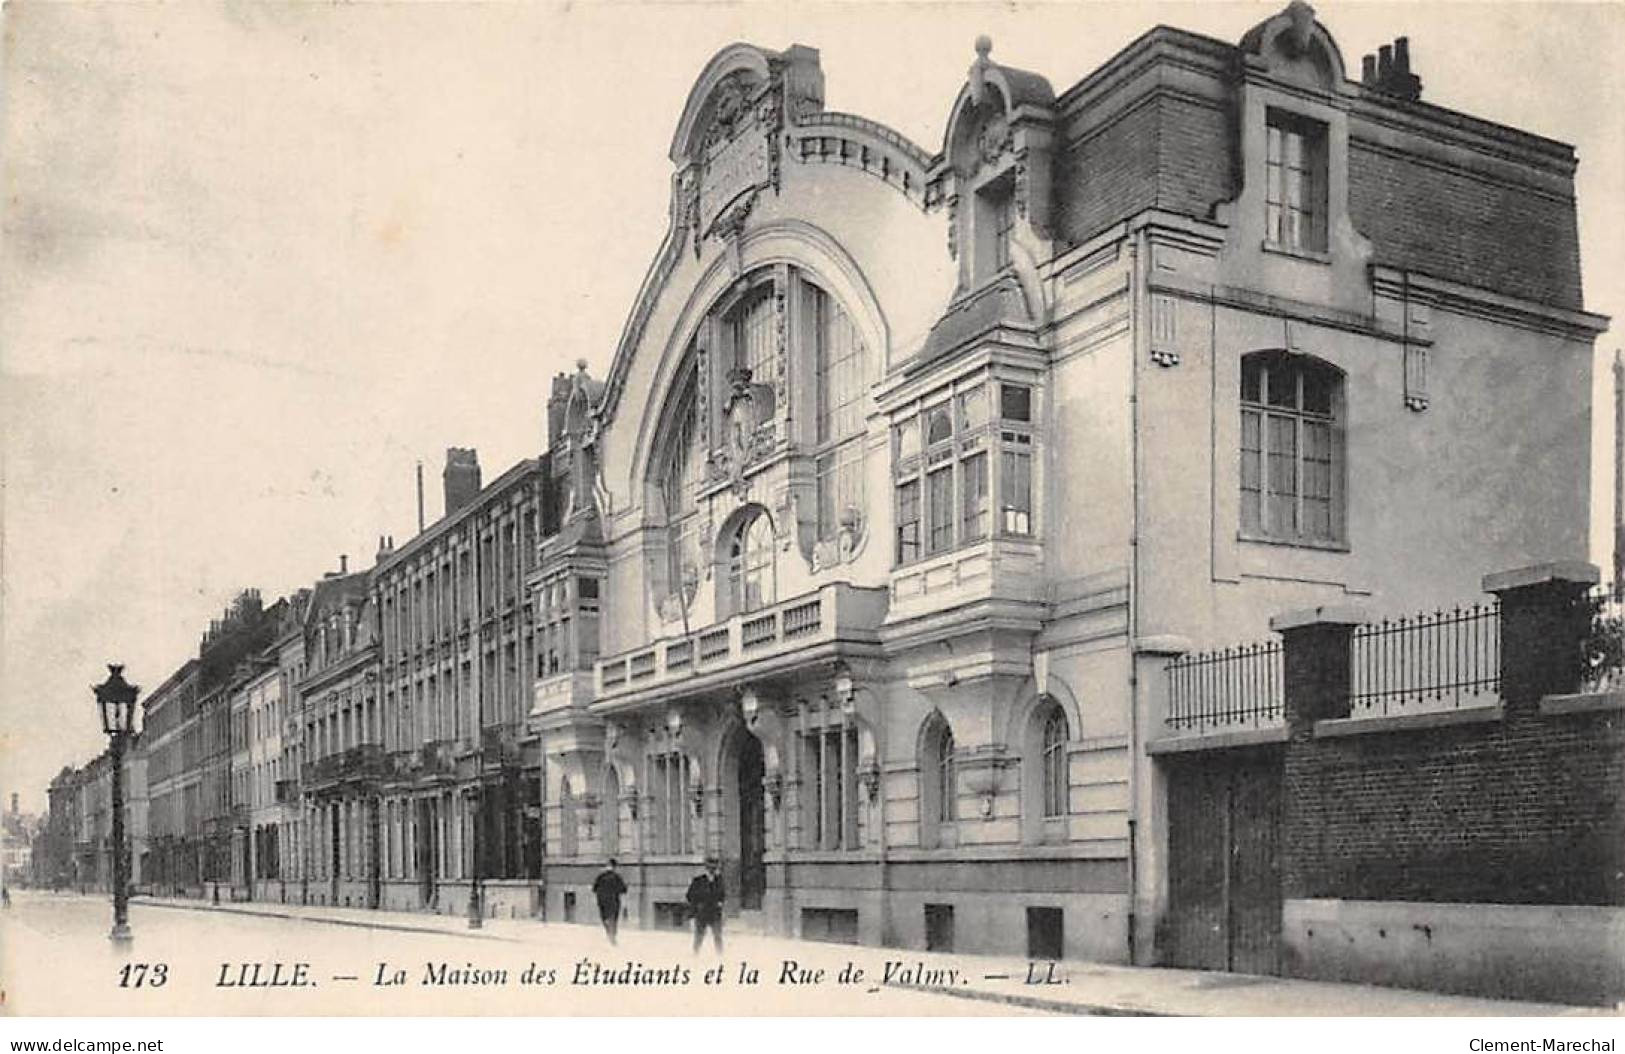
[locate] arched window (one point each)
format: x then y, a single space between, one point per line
1291 449
750 565
1054 770
1046 782
947 804
938 786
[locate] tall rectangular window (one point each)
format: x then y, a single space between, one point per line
908 521
940 508
755 334
973 491
668 789
829 766
993 226
1295 182
1016 502
840 366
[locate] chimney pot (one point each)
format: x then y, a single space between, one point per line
344 564
461 477
1368 70
1385 62
1402 55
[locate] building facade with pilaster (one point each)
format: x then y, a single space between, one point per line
169 721
459 786
914 465
342 718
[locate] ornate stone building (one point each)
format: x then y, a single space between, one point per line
913 466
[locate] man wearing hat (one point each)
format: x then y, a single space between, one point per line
705 896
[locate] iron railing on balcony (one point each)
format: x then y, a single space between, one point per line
1229 689
435 758
1431 661
500 745
358 762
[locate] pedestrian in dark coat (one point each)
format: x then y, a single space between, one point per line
705 896
609 887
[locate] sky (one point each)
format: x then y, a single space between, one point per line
258 261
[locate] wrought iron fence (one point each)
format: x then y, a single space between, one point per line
1602 654
1430 661
1236 687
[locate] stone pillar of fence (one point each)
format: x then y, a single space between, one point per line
1544 619
1316 667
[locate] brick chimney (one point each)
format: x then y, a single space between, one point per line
558 401
1389 71
461 477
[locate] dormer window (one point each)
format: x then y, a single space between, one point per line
995 227
1295 203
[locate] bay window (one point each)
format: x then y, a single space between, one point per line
950 454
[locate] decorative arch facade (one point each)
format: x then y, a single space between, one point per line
913 467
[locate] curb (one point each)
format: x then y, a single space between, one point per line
1030 1002
354 923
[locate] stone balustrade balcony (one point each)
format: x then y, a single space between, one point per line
815 627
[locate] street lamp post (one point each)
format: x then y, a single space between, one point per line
115 698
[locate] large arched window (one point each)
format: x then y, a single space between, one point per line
1291 449
841 384
679 485
750 579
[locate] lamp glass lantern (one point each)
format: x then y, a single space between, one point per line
115 698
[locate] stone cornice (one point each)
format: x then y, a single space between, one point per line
1487 304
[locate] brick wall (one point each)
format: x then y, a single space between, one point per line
1107 176
1163 152
1451 225
1522 811
1122 155
1527 807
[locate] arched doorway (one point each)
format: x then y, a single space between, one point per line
752 820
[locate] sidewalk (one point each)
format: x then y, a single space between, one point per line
1070 987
